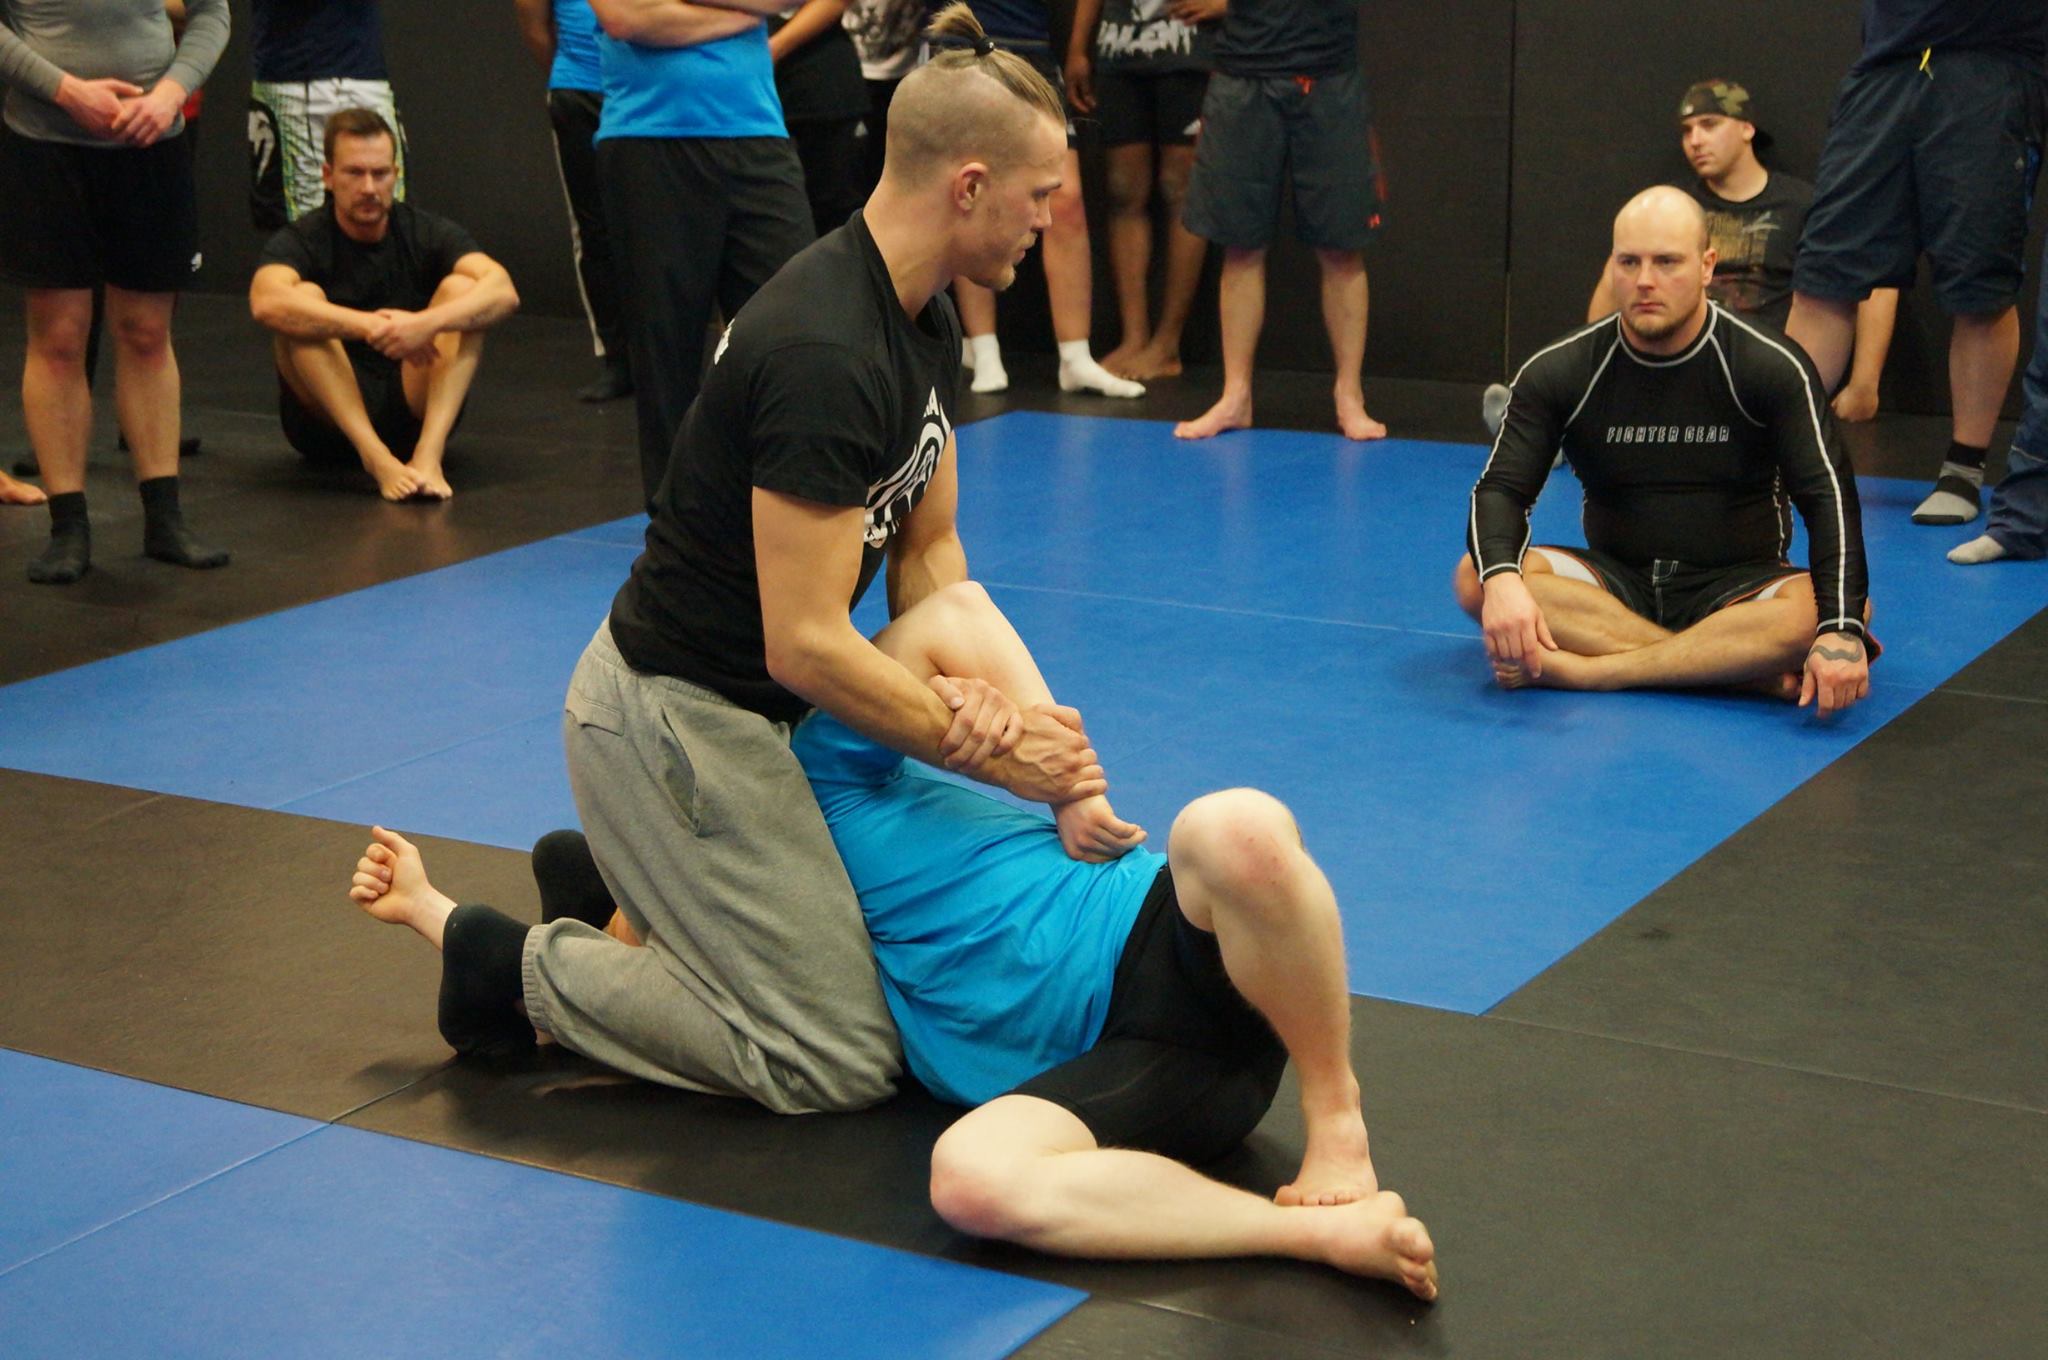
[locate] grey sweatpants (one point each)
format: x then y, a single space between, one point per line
756 977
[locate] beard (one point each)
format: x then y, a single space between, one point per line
1655 327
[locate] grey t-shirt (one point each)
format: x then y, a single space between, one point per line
42 41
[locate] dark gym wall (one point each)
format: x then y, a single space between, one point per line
1511 131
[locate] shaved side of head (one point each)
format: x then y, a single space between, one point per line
968 103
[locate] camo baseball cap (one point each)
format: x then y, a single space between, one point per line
1724 97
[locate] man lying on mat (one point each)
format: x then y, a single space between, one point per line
1113 1015
1695 433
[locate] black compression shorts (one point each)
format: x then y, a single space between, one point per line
1185 1067
1675 595
1159 109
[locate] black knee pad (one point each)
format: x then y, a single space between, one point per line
481 985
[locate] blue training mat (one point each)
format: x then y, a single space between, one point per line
1267 608
344 1242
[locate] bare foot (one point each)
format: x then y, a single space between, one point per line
391 885
1376 1237
395 481
1118 360
1561 670
432 483
1353 421
1229 413
1337 1168
1148 363
19 493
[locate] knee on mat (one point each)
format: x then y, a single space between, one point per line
978 1190
1238 842
1465 584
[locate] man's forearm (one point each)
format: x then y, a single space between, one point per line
537 28
491 301
845 675
1875 316
291 313
932 567
674 23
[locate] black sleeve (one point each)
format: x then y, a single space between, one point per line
820 428
287 246
1497 532
1814 468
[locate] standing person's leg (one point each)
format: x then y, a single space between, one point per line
56 406
435 392
574 115
1186 253
768 215
1070 288
984 353
1127 173
756 976
2017 525
148 395
1339 199
666 206
1234 201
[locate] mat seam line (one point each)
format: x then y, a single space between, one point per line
1801 1069
390 769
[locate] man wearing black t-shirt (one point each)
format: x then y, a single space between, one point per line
1754 220
379 310
1933 148
819 447
1694 433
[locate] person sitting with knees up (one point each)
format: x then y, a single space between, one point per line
378 310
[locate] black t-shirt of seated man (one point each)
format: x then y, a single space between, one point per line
824 390
1755 242
1266 38
419 250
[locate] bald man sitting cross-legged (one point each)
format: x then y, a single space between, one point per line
379 310
1695 432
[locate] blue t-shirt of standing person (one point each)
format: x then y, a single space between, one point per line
716 89
577 65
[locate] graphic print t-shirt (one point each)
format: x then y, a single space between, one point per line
823 390
1139 37
1755 242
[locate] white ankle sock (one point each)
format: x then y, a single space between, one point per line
987 363
1078 370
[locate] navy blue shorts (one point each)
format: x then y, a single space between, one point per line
1259 134
1940 161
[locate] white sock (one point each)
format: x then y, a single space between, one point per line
1983 548
966 353
1078 371
987 363
1493 406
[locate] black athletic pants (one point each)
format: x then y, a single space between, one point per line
574 115
698 223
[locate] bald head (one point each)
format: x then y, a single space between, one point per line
1658 274
1664 216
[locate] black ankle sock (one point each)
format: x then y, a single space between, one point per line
69 553
1965 455
481 984
570 887
164 535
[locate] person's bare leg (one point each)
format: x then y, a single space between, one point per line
391 884
1070 287
1982 353
1024 1170
959 631
1241 306
56 402
320 376
1186 253
1346 298
1755 644
146 384
436 391
14 492
1240 872
1826 330
1583 618
1128 174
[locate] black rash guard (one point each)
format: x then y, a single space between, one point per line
1689 457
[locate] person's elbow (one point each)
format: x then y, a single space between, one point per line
266 308
798 657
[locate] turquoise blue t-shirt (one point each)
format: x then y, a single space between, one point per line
577 66
997 952
715 89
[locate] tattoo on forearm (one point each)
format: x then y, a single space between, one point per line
1844 654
